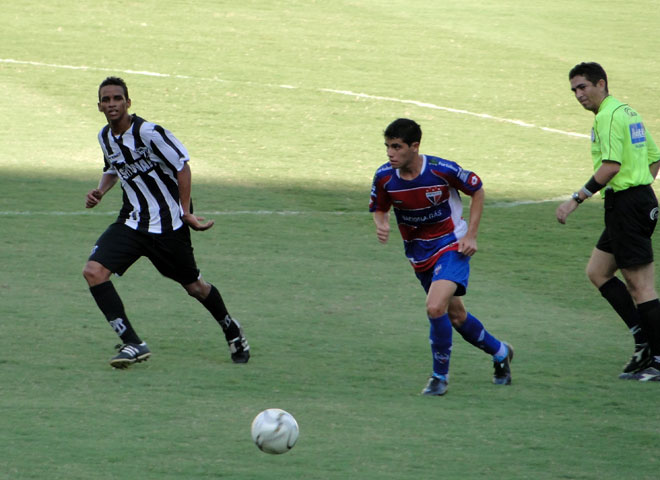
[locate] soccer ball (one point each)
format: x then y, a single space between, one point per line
274 431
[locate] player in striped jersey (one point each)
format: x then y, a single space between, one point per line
155 221
424 193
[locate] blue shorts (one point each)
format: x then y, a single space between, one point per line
451 266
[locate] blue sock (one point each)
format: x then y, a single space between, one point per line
475 333
440 337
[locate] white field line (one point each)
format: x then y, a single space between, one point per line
417 103
487 116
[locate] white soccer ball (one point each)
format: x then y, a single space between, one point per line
274 431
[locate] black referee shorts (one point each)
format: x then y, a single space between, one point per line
630 219
171 253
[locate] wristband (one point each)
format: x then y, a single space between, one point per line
592 186
586 192
576 197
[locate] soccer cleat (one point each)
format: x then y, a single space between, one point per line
238 347
130 353
641 358
502 374
435 386
649 374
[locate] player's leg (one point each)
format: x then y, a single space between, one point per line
118 254
108 300
455 267
601 266
440 334
630 219
473 331
209 296
601 270
172 254
640 281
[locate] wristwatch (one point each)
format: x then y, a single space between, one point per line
576 197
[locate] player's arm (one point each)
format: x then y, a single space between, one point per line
468 244
654 167
603 175
382 221
184 179
654 155
93 198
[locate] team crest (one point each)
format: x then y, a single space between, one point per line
435 195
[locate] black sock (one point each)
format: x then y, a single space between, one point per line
616 293
649 314
216 306
112 307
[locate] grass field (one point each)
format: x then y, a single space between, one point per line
282 107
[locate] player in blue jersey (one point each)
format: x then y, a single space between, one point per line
424 192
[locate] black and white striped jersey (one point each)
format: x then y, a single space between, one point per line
146 157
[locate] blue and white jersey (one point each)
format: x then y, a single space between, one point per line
428 209
146 157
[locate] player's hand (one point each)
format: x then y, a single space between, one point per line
197 223
467 246
93 198
565 209
383 232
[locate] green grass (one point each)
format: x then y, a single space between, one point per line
336 321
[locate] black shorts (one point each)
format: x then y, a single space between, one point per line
630 218
171 253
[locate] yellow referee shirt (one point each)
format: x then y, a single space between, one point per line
619 135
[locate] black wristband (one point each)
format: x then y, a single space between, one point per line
592 186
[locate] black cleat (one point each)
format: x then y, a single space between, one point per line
129 354
238 347
436 386
641 358
502 374
649 374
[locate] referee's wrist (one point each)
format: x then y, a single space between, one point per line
576 196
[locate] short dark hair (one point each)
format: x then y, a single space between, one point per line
592 71
405 129
114 81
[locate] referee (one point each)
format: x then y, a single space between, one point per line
625 164
154 222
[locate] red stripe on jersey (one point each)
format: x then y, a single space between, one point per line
427 232
380 199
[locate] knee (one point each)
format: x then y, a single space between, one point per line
95 273
596 275
436 310
199 289
457 316
642 293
